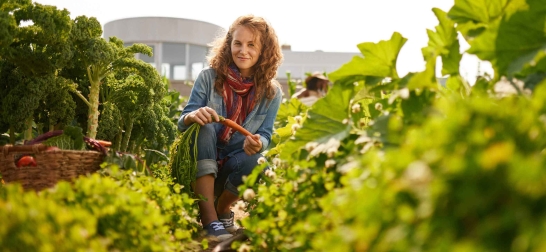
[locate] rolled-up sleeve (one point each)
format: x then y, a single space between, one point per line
199 96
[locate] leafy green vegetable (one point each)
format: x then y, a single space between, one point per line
183 153
70 139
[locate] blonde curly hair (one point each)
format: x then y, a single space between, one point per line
265 68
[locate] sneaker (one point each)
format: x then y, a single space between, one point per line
216 229
229 223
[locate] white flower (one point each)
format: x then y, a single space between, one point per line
379 106
404 93
295 127
249 194
331 152
347 167
240 206
355 108
270 173
345 121
363 139
261 160
393 96
329 163
332 145
298 119
418 172
366 147
295 186
310 146
362 122
355 83
276 162
244 248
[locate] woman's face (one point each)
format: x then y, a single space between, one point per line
245 50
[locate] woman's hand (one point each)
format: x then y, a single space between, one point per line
201 116
252 144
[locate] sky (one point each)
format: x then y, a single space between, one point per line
306 25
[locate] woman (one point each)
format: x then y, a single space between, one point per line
239 85
316 86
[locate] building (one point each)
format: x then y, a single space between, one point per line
180 47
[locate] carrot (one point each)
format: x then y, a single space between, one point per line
104 143
237 127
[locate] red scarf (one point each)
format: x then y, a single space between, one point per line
239 98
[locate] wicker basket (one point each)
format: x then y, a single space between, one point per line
51 166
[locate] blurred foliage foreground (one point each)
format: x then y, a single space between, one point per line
382 163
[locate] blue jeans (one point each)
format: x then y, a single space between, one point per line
231 174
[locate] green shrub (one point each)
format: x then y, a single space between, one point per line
34 223
117 210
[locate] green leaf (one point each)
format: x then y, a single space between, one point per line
76 134
379 60
442 42
458 84
477 11
445 43
424 79
513 40
325 119
291 108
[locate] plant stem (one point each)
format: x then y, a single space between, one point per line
28 129
93 112
127 134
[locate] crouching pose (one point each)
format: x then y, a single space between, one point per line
239 85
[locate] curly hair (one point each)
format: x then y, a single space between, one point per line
265 69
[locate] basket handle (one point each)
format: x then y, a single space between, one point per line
35 148
54 133
44 137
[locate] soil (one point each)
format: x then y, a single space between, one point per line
238 214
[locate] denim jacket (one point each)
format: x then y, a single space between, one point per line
259 121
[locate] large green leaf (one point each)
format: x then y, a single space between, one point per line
513 40
379 60
442 42
445 42
325 119
477 11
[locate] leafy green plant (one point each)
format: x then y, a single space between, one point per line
31 222
390 163
183 157
114 210
30 59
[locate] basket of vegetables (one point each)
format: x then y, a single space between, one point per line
51 157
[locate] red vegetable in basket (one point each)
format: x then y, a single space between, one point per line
104 143
26 161
52 148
